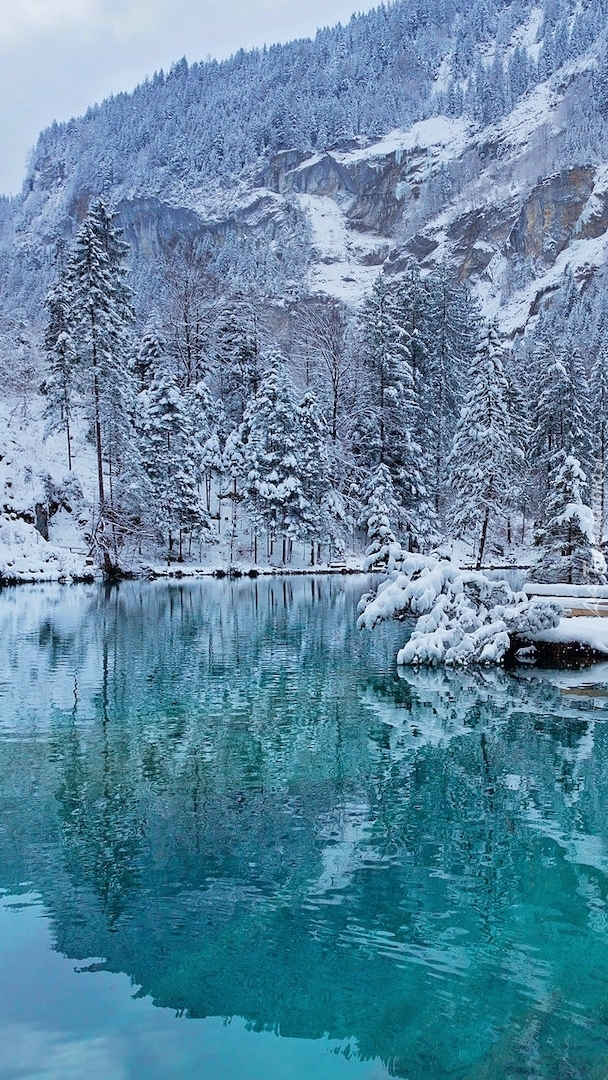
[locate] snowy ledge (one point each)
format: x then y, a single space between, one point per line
158 573
581 638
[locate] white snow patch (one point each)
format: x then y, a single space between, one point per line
579 630
348 262
443 132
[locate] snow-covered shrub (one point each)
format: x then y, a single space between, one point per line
463 617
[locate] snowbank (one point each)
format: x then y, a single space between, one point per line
585 630
25 556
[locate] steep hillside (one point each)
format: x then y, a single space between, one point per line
474 133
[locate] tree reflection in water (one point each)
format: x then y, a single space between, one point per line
228 792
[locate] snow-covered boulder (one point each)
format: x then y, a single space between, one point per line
26 556
463 616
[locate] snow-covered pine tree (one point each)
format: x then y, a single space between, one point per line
481 460
381 507
101 317
451 336
273 489
319 505
389 418
518 409
171 457
60 385
148 357
201 431
236 358
599 422
566 537
560 412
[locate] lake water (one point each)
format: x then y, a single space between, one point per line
235 843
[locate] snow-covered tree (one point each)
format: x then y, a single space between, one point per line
482 457
171 456
380 508
61 358
560 412
566 537
450 336
151 351
319 503
269 441
101 316
599 422
236 358
389 417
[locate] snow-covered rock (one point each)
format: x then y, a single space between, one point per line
26 556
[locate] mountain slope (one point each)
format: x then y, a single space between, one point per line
472 133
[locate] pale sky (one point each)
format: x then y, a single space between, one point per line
57 57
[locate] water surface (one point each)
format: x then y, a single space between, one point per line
234 842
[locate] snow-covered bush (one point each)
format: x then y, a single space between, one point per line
463 617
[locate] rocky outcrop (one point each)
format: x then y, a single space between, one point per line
152 227
548 217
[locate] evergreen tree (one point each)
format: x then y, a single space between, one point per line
381 507
481 461
61 364
171 456
101 316
451 336
269 437
566 538
599 421
237 359
149 354
386 434
319 505
560 413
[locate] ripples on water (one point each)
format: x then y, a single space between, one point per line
234 842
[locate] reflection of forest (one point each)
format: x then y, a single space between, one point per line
225 790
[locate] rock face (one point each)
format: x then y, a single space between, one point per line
152 226
548 218
505 205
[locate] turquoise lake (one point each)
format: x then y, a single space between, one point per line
236 843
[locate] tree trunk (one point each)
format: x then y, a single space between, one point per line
482 542
102 496
67 432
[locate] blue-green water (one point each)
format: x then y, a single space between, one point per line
235 843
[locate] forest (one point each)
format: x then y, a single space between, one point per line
410 419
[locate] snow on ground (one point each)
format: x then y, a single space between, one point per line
442 133
587 592
25 556
34 470
517 127
581 630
